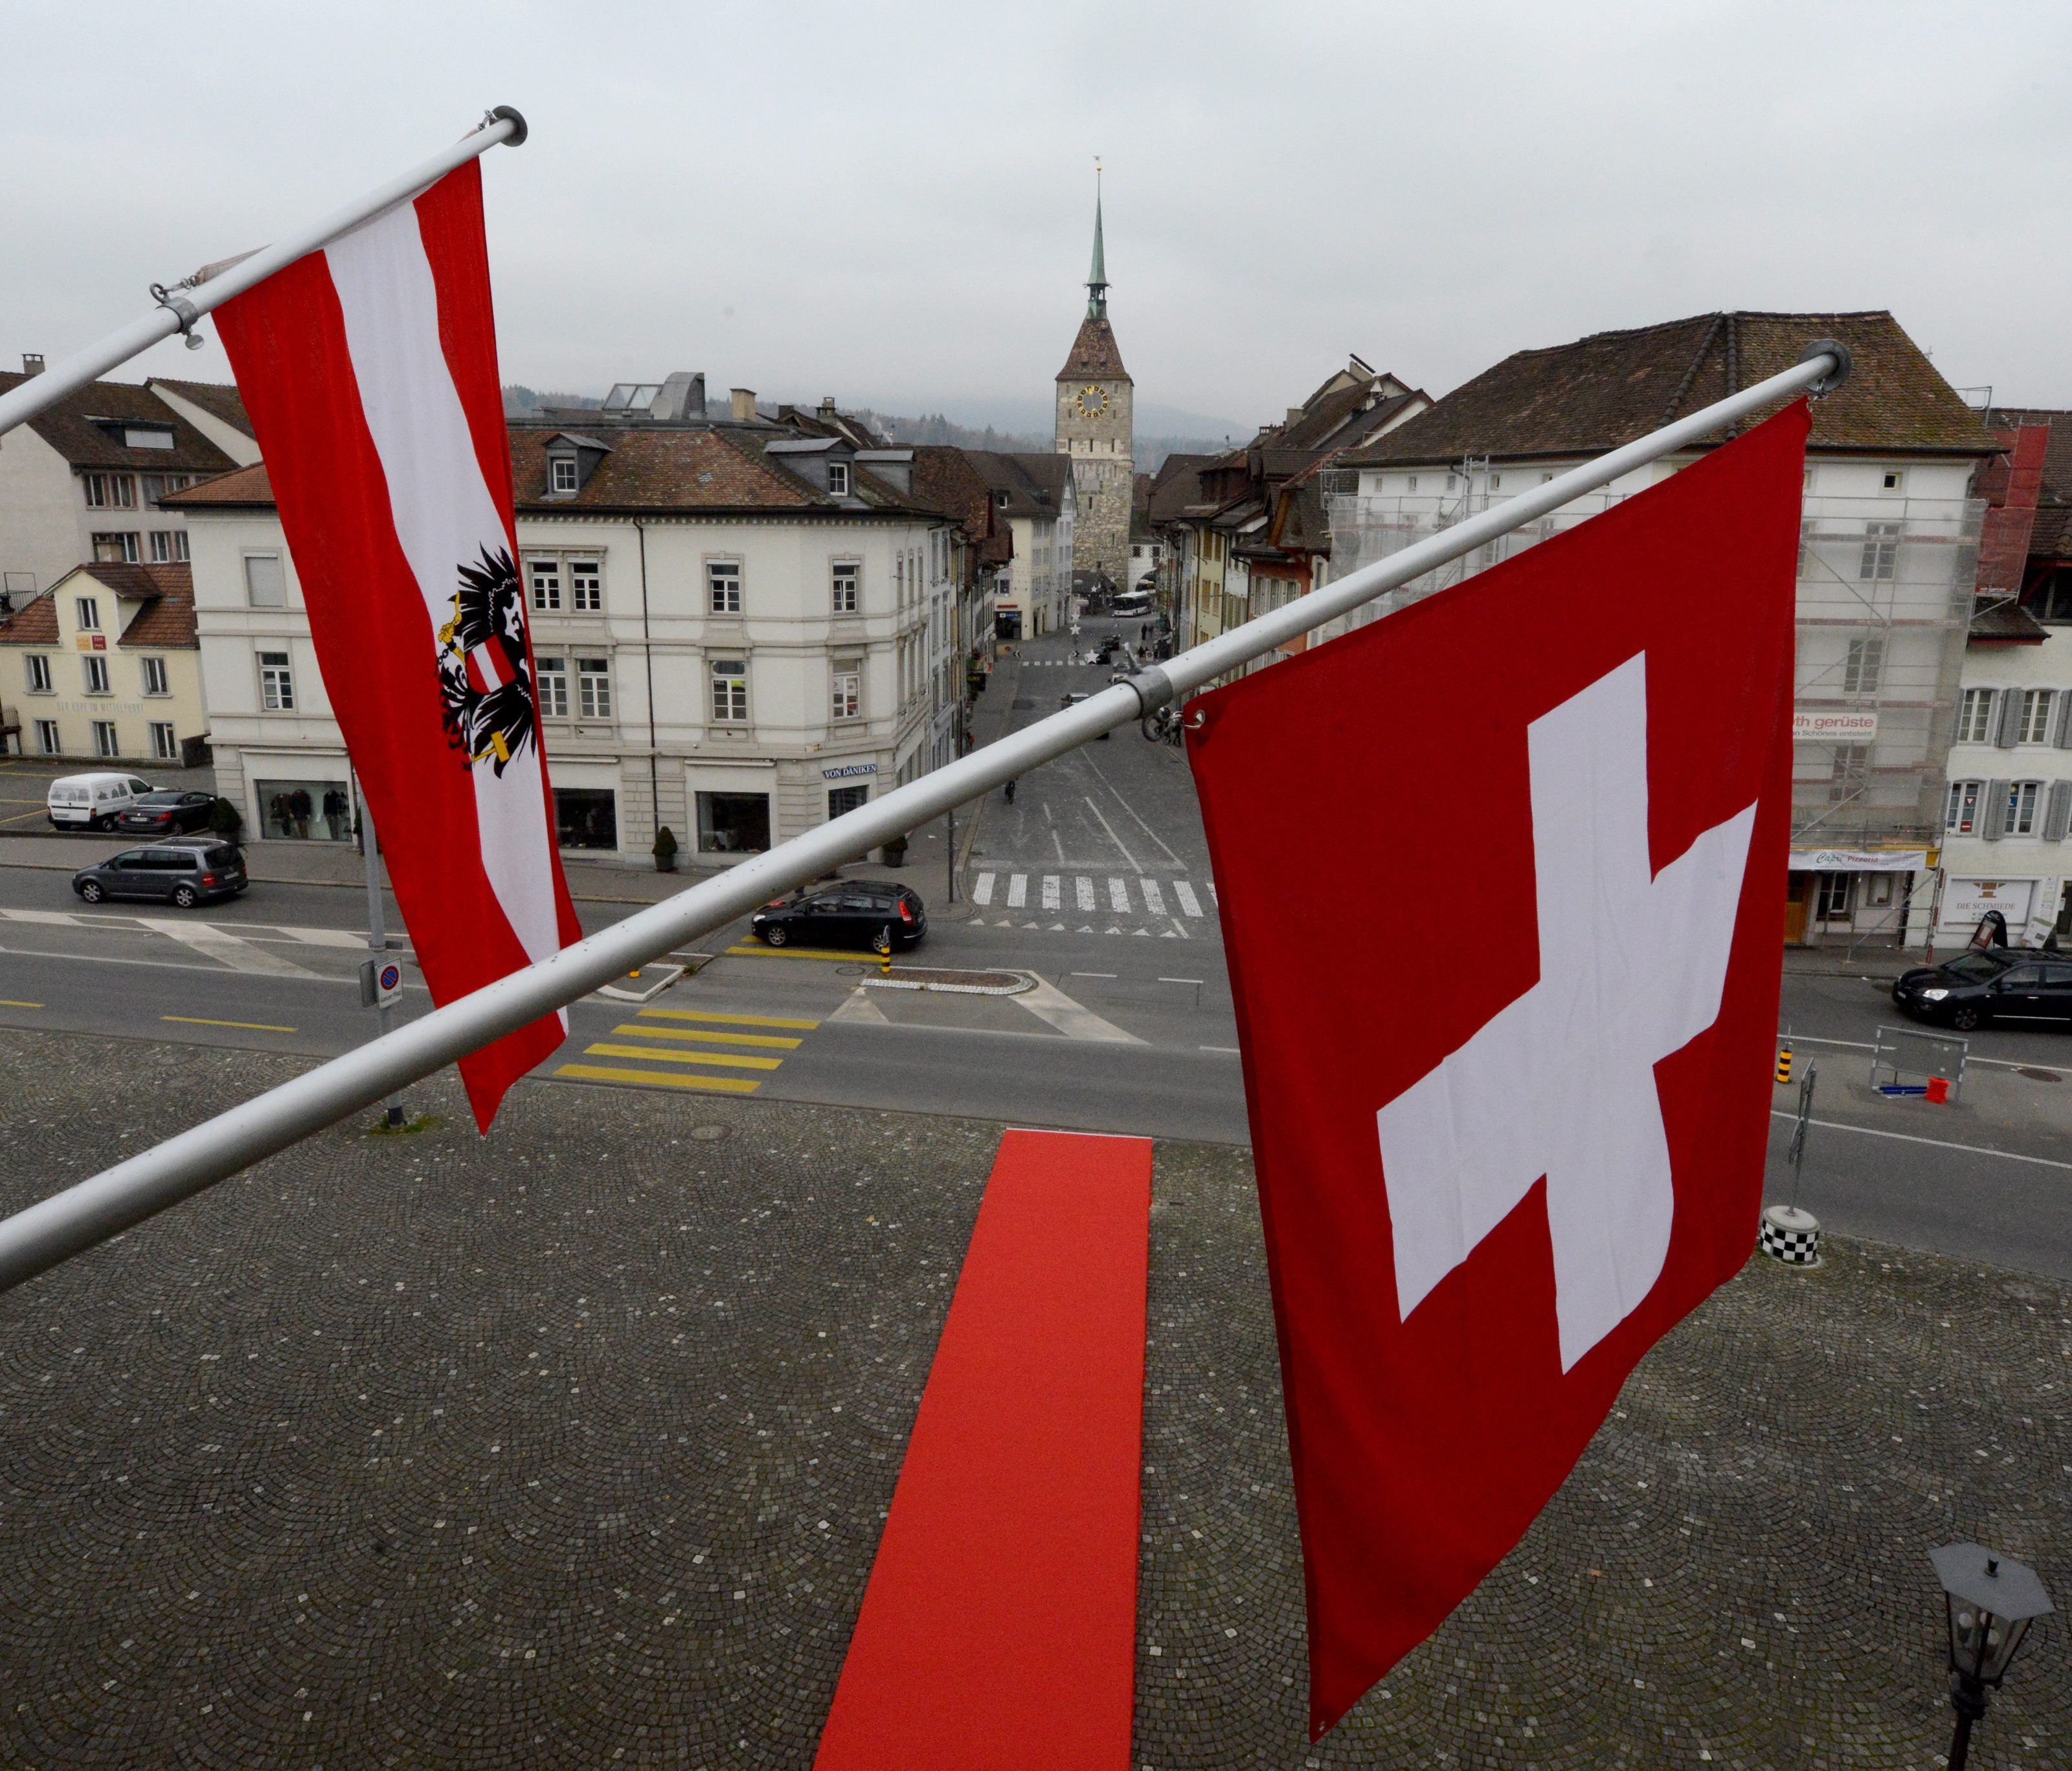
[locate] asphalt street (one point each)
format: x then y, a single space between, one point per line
1094 881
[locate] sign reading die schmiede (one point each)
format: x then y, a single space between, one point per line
842 770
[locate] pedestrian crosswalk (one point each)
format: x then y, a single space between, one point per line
742 1049
1079 895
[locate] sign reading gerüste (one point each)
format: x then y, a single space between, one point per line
1834 725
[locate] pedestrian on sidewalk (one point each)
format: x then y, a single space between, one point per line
1010 789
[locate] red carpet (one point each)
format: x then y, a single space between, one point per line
999 1628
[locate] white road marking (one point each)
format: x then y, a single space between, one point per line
1228 1051
217 943
1118 896
1053 892
1082 889
1136 865
1185 892
1152 896
1131 809
1940 1143
1074 1020
982 890
1018 891
858 1007
1179 980
59 918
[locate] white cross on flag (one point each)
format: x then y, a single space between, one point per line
369 371
1502 883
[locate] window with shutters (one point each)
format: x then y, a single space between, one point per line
2034 725
39 673
2022 796
553 675
586 586
546 575
95 667
2058 811
155 680
1881 555
1850 773
1865 668
1960 816
730 691
594 688
266 582
723 587
1975 716
277 683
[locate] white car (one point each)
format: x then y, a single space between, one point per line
90 802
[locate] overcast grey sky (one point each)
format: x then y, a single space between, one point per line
893 203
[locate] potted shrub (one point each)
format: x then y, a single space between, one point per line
895 852
665 850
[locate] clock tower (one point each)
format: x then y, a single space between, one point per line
1094 429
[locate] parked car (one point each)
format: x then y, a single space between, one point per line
92 801
183 870
852 913
165 813
1993 983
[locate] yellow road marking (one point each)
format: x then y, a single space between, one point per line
699 1033
853 955
729 1021
598 1073
250 1026
9 1002
654 1055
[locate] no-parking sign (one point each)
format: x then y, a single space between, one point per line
381 982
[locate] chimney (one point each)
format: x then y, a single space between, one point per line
744 404
1294 414
681 401
828 407
32 362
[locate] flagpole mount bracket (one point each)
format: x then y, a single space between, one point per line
183 310
1835 376
1154 688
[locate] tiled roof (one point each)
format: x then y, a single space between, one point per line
648 469
1612 387
35 624
68 427
2000 620
1035 483
1178 484
2051 539
1094 356
218 399
945 481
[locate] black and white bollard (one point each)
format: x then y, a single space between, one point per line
1790 1235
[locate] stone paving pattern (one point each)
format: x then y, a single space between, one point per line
571 1447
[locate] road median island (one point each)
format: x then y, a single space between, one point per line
579 1436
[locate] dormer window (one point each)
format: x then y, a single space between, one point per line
1000 499
838 479
562 473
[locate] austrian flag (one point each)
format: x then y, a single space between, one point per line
369 371
1510 1124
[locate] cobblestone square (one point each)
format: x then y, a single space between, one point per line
571 1446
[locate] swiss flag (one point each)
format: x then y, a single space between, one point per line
369 371
1502 885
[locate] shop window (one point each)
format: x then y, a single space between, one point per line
1837 890
733 823
845 799
586 817
305 811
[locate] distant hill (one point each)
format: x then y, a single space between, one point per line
519 398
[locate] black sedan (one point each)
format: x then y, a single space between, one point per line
165 814
853 913
1990 984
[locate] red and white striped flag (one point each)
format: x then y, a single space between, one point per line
369 371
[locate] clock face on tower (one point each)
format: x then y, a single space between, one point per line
1092 402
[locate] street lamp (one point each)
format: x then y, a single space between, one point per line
1990 1601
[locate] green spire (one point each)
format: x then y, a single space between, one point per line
1097 277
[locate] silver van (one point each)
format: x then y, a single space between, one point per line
90 802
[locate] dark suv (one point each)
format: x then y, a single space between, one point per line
852 913
186 871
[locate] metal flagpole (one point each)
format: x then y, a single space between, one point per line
185 303
377 932
41 1235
